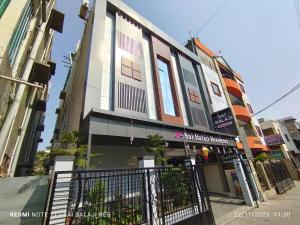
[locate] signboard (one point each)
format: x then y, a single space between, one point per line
202 138
277 154
224 122
228 156
275 139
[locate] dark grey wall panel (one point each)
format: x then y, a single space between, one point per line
192 93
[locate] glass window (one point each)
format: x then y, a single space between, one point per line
287 137
259 131
19 33
165 86
3 6
242 88
216 89
250 108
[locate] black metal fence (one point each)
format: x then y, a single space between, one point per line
279 176
160 195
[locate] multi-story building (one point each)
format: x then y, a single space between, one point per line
294 129
279 139
226 87
27 29
128 80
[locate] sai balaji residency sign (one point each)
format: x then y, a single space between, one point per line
224 122
202 138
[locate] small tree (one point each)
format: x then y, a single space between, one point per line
262 157
156 145
39 163
69 138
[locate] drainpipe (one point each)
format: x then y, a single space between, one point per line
20 92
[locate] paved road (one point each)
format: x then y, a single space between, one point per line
282 210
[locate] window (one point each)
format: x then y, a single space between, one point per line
19 33
249 108
259 131
165 87
216 89
130 69
3 6
287 137
242 88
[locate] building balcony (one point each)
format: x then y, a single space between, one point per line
233 87
242 113
255 143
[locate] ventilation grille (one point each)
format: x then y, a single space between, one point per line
131 98
189 76
198 117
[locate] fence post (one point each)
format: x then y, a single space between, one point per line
148 162
62 163
243 182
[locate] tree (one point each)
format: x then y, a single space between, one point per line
39 163
68 147
69 138
156 145
262 157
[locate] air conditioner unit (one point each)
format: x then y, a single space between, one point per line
84 8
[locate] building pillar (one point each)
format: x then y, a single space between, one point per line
291 169
243 182
261 170
148 162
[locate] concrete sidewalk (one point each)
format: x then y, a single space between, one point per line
224 207
282 209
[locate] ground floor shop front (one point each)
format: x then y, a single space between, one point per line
118 142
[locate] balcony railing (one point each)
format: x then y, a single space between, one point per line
233 87
255 143
242 113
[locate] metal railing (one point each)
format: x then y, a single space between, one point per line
280 176
160 195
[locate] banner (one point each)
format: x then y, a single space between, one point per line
275 139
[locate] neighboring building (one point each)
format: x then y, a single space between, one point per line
278 139
27 29
128 80
219 77
294 130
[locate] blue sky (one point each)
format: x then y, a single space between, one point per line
259 39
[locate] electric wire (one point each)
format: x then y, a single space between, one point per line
210 18
279 99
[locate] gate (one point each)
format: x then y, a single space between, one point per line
154 196
280 176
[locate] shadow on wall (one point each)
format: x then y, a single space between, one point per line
23 200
